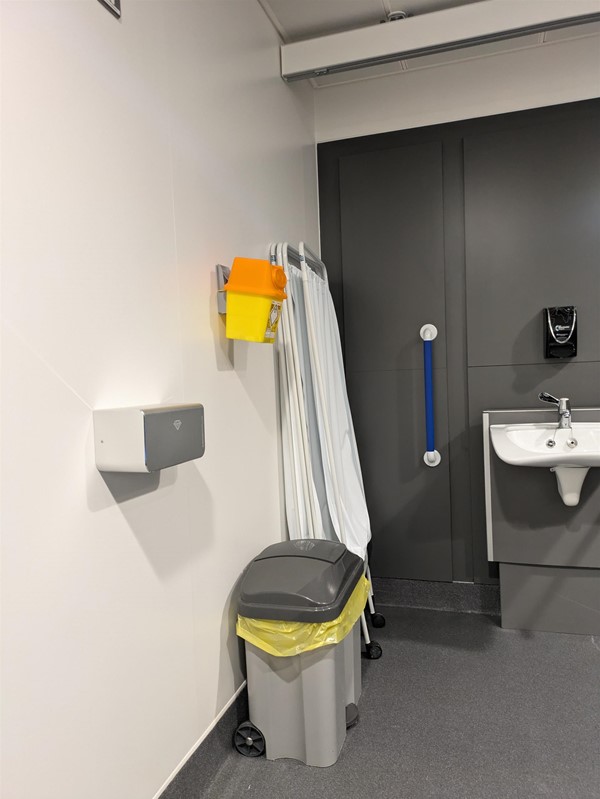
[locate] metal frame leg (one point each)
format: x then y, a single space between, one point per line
377 619
370 599
365 629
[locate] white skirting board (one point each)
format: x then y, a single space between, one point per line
202 738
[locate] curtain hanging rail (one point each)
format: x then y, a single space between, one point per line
310 258
293 255
315 263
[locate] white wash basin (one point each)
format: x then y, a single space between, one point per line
573 452
526 444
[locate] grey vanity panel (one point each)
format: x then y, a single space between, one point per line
393 255
532 524
532 215
553 599
409 502
518 387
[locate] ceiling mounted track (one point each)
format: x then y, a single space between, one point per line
437 32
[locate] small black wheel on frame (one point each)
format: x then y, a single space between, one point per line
373 650
377 619
249 740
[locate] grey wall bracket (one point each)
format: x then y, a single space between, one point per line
223 273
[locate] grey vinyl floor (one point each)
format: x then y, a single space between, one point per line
456 708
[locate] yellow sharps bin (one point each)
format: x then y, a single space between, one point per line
255 292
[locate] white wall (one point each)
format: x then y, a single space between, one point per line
550 74
136 155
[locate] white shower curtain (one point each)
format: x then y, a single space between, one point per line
341 465
324 494
304 482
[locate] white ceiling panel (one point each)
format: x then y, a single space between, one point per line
305 19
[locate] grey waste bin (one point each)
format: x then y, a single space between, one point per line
298 704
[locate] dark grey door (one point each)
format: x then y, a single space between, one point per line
393 283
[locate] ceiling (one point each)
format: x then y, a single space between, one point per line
295 20
306 19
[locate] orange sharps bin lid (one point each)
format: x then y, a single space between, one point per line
255 276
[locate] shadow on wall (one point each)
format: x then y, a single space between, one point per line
233 356
232 667
173 526
122 486
227 357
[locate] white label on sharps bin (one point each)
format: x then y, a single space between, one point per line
274 315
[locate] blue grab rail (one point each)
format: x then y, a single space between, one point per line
429 423
432 457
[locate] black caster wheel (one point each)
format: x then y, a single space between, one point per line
249 740
374 651
378 620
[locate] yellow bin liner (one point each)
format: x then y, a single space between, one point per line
254 298
287 638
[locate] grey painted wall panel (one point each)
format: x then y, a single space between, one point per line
393 255
558 600
409 502
542 200
532 211
394 282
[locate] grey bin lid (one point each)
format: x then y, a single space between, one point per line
305 580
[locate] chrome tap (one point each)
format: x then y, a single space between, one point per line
564 408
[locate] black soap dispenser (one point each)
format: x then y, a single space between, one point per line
560 331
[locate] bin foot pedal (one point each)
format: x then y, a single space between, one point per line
351 715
